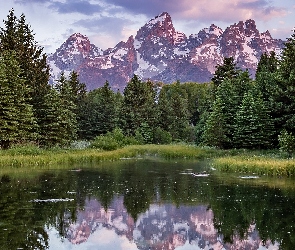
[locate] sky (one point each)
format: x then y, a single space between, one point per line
107 22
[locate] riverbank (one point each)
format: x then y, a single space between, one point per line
33 157
242 161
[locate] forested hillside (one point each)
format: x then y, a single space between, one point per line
231 111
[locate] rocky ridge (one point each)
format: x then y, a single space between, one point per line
160 53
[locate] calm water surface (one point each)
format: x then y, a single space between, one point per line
146 204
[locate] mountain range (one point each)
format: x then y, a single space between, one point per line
160 53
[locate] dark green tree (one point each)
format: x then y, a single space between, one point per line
284 95
58 121
100 112
68 108
78 89
74 92
200 98
17 36
214 134
138 106
254 127
227 70
229 95
267 83
17 123
173 110
267 63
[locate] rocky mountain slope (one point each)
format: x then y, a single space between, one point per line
160 53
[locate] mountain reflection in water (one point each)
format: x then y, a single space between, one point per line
163 226
145 204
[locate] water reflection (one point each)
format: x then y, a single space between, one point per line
163 226
144 205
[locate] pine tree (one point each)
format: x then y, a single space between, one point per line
68 108
173 110
17 121
228 101
50 132
18 37
266 76
78 89
285 91
227 70
229 95
253 124
58 121
138 106
107 108
100 112
214 134
267 83
200 98
165 109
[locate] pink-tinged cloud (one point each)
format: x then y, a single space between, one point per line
228 10
204 10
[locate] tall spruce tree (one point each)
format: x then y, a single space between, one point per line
173 110
254 127
214 133
138 106
100 113
266 82
229 95
17 36
285 92
226 70
50 131
17 121
78 89
68 107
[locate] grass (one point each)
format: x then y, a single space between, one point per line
59 159
272 163
260 164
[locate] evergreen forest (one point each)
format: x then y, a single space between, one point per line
234 110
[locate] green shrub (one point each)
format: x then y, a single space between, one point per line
105 142
162 137
144 134
113 140
24 149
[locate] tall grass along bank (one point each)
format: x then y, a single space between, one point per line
58 159
260 165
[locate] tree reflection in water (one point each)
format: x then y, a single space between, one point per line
144 204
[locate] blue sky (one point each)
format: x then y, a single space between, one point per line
107 22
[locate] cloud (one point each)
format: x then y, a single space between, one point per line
106 30
282 32
104 24
75 6
30 1
204 10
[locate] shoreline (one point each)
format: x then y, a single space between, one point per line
271 163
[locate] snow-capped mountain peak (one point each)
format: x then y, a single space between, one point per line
158 52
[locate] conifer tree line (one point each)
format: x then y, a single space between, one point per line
231 111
